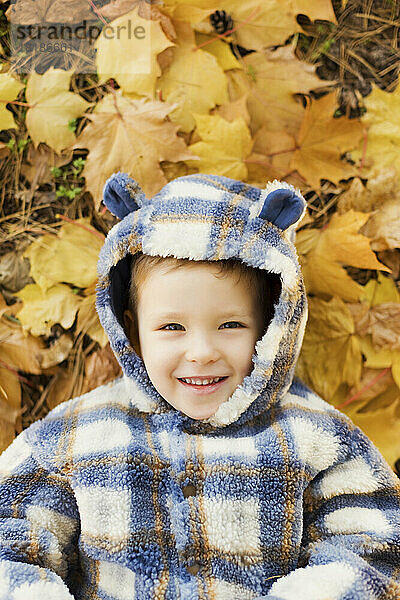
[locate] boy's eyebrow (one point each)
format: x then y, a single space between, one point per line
174 315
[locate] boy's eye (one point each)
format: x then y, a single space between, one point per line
172 326
234 323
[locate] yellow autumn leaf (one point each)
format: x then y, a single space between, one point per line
44 308
221 50
53 106
380 290
383 138
127 50
383 428
330 354
223 148
70 256
322 140
324 251
9 90
132 136
271 22
272 79
195 82
88 321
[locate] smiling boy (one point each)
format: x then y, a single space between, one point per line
160 486
216 323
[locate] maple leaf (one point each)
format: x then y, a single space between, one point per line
223 148
43 309
271 157
100 368
88 321
117 8
325 251
30 12
187 83
271 79
321 141
47 255
130 57
132 136
383 139
330 354
9 90
378 340
269 23
221 50
53 106
383 428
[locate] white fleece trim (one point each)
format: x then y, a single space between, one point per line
106 435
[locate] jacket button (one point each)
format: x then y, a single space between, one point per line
189 490
194 568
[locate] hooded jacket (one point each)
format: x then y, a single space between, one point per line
116 495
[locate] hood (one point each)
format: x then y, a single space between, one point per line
207 217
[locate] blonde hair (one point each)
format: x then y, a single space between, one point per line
265 285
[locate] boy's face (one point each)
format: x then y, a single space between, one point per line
210 332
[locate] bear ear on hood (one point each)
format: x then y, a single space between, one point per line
283 207
122 195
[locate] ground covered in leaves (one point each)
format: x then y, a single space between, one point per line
300 91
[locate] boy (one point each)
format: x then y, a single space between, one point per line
206 471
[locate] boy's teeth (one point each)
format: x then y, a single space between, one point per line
204 382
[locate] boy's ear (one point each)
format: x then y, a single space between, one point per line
283 207
122 195
131 331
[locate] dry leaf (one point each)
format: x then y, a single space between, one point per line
38 162
383 228
272 79
9 90
47 255
223 148
330 354
187 83
383 137
220 49
324 251
128 58
14 271
271 156
53 106
233 110
88 321
43 309
133 137
30 12
100 368
367 198
381 321
322 140
383 428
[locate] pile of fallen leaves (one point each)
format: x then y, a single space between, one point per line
249 90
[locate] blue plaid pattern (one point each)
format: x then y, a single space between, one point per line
115 495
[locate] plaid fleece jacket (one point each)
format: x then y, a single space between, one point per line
116 495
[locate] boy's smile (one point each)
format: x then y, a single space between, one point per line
195 325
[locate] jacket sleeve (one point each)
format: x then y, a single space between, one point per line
39 523
351 531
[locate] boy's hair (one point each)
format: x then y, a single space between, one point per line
267 285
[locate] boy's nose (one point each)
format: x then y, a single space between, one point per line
201 349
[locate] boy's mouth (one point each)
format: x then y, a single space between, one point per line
203 388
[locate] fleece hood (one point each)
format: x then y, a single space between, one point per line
207 217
